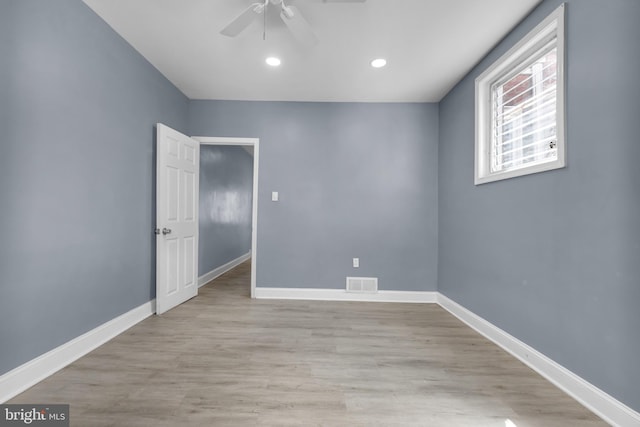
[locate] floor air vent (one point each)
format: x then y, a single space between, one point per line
362 284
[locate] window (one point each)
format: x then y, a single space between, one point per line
520 107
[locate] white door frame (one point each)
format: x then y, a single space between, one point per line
255 143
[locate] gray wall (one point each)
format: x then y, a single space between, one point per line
77 108
226 186
553 258
355 180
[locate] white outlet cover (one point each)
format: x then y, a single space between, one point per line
274 196
356 262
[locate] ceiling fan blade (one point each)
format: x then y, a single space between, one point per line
243 20
298 26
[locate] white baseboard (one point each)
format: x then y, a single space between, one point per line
207 277
608 408
605 406
342 295
21 378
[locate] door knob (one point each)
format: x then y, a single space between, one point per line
166 231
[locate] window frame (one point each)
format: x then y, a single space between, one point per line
552 27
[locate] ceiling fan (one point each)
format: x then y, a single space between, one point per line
289 14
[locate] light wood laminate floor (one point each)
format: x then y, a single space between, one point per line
223 359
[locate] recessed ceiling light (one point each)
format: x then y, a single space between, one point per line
378 63
273 61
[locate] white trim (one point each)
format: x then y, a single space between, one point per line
255 142
223 140
217 272
24 376
552 24
342 295
602 404
608 408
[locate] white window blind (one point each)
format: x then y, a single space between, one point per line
524 114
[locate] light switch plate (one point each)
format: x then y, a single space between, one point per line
274 196
356 262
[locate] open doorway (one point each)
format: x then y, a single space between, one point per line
252 146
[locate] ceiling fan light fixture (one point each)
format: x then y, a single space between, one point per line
273 61
378 63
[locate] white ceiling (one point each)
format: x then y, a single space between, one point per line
429 45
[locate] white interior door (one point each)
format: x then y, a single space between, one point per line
178 163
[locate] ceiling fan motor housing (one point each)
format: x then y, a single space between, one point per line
291 16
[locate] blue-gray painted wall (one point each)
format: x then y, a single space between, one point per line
554 258
355 180
77 112
226 195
